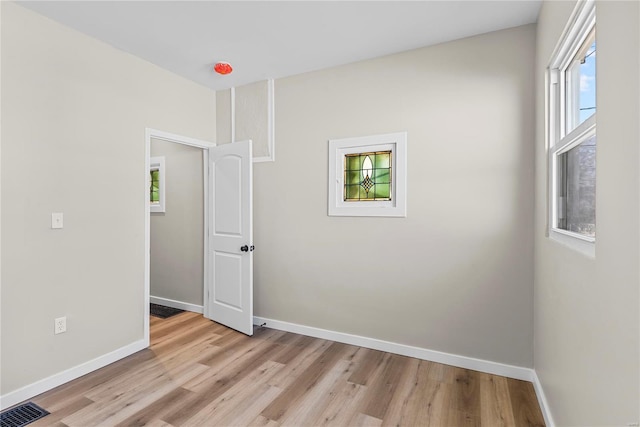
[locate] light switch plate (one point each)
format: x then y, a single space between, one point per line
56 220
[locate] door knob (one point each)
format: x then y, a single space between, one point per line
244 248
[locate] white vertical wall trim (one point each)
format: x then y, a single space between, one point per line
272 119
147 233
205 241
232 97
271 144
0 162
542 400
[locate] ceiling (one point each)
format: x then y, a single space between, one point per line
273 39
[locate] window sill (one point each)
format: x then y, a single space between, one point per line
583 244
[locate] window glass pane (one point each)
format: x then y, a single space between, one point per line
577 189
581 85
382 191
367 176
588 84
381 176
352 192
353 163
155 184
382 160
353 177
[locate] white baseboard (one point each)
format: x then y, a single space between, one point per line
31 390
486 366
176 304
542 400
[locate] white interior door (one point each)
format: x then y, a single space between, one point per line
229 298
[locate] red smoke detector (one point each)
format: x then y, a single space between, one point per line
223 68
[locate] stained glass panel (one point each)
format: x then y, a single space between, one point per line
367 176
353 163
155 186
353 177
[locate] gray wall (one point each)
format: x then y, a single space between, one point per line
74 113
456 275
586 309
177 234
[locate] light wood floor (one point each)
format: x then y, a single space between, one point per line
199 373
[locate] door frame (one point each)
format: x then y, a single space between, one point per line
150 133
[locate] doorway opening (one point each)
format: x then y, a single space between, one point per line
184 143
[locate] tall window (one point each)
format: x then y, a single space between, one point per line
157 199
155 186
572 132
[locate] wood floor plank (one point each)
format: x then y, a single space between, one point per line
524 412
344 407
58 415
460 418
245 414
334 401
234 345
318 398
363 420
195 331
232 364
158 423
299 363
240 412
260 421
495 401
384 385
465 397
167 327
198 373
225 379
118 406
238 399
297 344
306 381
442 373
166 404
426 402
399 403
365 370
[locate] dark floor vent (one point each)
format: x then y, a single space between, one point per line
22 415
163 312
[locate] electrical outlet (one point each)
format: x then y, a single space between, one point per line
60 325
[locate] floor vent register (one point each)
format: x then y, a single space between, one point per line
21 415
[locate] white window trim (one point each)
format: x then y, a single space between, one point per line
157 163
559 141
338 148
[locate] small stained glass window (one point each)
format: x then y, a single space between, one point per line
367 176
157 178
155 186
